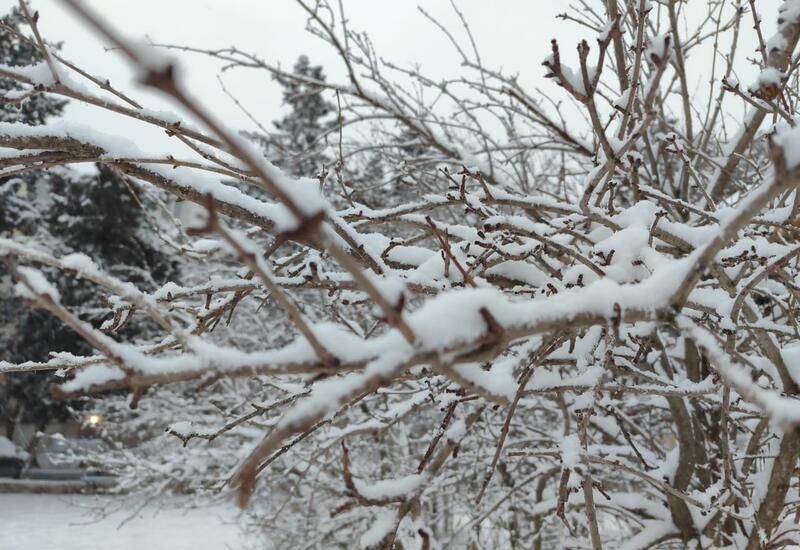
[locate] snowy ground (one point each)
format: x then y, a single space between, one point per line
63 522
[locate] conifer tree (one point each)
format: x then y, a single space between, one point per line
297 145
94 214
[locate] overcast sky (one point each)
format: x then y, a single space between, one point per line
514 34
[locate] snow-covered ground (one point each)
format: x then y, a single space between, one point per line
65 522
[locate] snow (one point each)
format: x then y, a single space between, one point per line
35 285
770 76
607 291
8 449
385 489
570 451
79 262
204 183
789 140
782 410
497 381
117 147
410 255
660 46
63 522
432 323
303 191
654 531
605 31
181 428
571 77
80 132
327 395
456 431
789 12
383 524
39 73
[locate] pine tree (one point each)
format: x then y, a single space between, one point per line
17 211
96 215
295 146
92 213
23 396
16 52
298 146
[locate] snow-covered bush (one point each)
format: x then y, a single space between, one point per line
557 331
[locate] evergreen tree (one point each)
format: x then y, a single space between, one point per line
94 214
23 396
16 52
298 146
295 146
17 211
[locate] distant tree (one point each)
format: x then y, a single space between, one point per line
94 214
14 51
23 394
296 145
16 210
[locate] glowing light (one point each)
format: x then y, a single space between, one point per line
93 419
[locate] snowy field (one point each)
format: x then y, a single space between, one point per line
64 522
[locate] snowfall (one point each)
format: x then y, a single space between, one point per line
70 522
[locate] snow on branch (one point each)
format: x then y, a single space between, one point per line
532 322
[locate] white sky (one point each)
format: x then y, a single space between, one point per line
514 34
